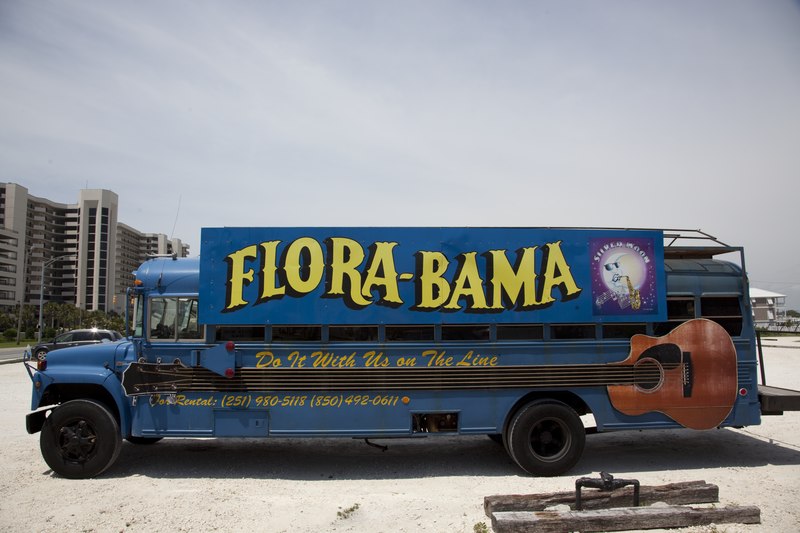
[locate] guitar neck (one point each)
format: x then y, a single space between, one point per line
148 378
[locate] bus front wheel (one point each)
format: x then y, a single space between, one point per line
546 438
80 439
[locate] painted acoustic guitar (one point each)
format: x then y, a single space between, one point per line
693 377
689 375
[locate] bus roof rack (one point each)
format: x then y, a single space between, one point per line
694 244
173 255
685 243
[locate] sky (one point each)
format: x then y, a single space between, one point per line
647 114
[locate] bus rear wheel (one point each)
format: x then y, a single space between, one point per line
546 438
80 439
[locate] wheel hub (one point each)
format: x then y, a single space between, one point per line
548 440
77 442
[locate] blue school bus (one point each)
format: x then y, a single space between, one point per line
514 333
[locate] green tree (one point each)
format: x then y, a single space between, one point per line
69 316
8 320
116 321
50 314
93 319
57 317
30 317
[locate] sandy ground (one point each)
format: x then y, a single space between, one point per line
434 484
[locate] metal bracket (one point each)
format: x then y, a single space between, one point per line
606 483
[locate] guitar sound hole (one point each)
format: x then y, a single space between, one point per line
647 374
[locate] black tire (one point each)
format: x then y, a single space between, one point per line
41 355
546 438
80 439
143 440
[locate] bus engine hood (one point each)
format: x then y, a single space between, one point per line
102 355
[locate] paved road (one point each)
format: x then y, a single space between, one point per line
12 355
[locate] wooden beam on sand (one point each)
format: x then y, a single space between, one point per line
621 519
672 493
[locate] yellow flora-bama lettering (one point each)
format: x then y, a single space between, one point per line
507 283
468 284
382 274
432 288
557 274
303 254
361 279
345 257
238 276
508 286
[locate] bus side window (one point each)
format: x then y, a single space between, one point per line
410 333
623 331
452 332
353 333
725 311
516 332
679 310
240 333
572 331
296 333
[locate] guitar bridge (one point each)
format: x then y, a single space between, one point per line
688 374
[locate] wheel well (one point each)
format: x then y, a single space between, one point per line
569 398
61 393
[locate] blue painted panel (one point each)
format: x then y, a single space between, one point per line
155 417
361 414
241 423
